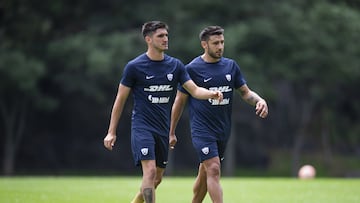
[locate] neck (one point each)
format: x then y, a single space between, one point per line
209 59
155 55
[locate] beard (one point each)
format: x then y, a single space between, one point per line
215 55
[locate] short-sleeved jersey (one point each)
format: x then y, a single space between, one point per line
210 120
154 85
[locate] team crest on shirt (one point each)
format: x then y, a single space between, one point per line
205 150
228 77
170 76
145 151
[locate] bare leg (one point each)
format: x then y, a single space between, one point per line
212 167
200 187
139 196
148 181
149 195
159 176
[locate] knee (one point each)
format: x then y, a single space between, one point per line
150 174
213 170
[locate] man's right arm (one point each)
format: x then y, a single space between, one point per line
121 97
200 92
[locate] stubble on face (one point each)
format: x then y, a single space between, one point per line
215 54
215 46
160 40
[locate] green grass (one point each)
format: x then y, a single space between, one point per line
176 190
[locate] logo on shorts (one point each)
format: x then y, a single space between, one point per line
205 150
145 151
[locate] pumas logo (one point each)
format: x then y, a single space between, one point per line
228 77
170 76
205 150
144 151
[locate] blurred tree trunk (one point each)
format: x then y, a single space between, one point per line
14 122
325 139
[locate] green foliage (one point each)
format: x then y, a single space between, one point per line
20 79
19 72
87 62
313 48
56 50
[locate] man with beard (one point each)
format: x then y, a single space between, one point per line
211 119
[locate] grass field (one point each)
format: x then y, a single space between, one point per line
176 190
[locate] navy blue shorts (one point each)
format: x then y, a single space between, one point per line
149 146
207 149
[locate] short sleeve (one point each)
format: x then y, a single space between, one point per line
128 77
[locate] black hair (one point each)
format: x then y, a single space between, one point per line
150 27
209 31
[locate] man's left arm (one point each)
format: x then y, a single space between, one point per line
252 98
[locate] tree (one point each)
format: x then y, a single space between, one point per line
19 92
66 56
311 49
30 69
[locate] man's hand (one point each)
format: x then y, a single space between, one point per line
218 96
109 141
261 108
172 141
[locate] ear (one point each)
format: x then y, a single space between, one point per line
147 39
204 44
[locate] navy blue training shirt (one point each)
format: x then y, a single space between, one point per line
211 119
154 85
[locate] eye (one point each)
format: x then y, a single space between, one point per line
162 35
